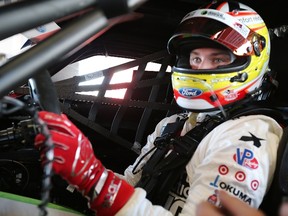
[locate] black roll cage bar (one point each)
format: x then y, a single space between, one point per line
18 17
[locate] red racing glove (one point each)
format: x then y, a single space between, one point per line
74 161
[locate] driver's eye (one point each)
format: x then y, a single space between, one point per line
218 60
196 60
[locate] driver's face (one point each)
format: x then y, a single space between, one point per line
209 58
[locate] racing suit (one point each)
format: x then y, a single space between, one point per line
238 156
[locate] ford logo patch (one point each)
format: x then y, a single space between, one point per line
41 29
190 92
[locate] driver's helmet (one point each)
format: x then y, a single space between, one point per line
230 25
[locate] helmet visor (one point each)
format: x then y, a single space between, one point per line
217 27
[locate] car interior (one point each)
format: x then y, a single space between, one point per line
44 73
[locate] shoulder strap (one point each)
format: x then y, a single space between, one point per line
170 158
279 113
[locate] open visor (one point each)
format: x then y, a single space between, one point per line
215 26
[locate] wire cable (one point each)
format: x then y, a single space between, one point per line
47 165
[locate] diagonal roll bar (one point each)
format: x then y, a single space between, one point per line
45 54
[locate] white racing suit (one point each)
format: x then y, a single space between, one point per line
238 156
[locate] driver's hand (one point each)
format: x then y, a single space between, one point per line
74 158
74 161
231 206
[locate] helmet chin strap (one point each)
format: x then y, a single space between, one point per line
213 94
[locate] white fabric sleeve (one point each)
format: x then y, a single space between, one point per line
138 205
239 156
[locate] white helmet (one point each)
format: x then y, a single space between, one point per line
226 24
